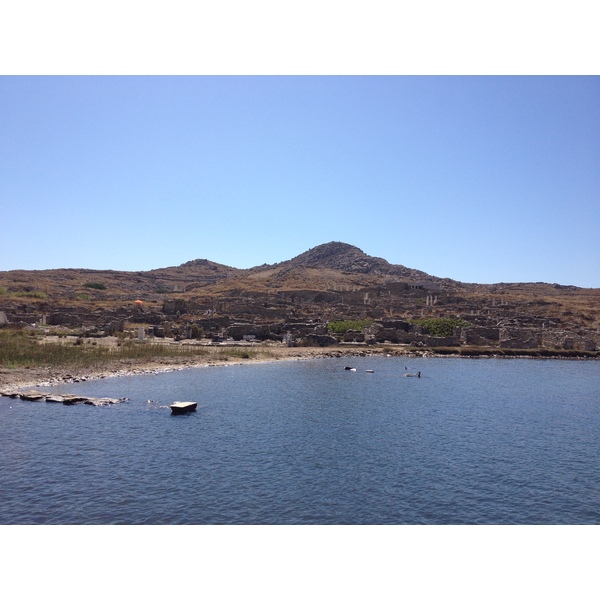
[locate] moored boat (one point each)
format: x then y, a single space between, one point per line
178 408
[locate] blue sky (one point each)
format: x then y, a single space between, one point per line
481 179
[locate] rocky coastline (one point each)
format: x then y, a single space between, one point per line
19 380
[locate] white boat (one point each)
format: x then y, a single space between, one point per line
178 408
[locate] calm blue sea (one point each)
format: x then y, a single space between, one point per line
473 441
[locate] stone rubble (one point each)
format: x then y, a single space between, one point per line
66 399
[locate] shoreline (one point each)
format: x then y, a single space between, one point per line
17 379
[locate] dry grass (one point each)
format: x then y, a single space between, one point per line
21 350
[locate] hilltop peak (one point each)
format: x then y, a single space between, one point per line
341 257
332 254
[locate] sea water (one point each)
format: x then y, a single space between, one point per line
471 441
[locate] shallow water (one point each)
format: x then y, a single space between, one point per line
487 441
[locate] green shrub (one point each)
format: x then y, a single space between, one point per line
441 327
196 332
94 286
341 327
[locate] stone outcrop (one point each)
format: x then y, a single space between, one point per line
66 399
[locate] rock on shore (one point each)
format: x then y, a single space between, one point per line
67 399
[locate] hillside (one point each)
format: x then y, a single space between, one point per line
339 256
333 281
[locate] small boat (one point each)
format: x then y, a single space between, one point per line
178 408
370 371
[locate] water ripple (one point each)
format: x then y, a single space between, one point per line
471 442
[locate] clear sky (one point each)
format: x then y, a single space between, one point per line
481 179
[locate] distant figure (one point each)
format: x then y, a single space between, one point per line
418 373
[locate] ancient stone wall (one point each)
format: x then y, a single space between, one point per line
319 340
395 324
567 340
479 336
519 338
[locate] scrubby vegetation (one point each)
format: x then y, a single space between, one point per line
341 327
40 295
95 286
442 327
4 291
19 349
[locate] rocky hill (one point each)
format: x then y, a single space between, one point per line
343 257
298 298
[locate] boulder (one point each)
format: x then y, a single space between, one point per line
33 396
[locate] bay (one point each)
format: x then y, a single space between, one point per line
472 441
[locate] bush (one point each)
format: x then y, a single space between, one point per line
196 332
341 327
441 327
94 286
